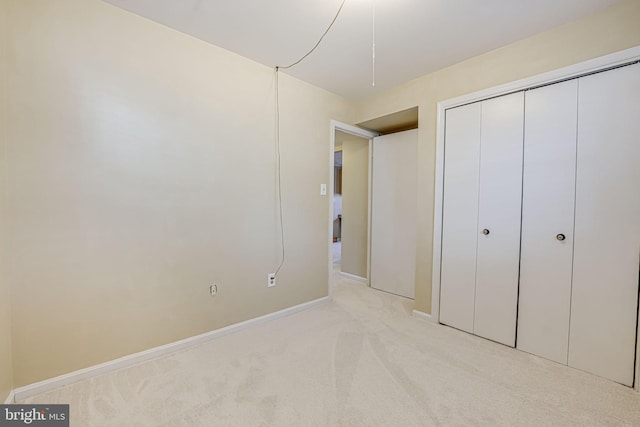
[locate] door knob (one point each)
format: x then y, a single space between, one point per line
560 237
485 232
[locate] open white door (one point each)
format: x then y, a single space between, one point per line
393 213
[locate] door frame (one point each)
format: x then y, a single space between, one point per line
334 126
602 63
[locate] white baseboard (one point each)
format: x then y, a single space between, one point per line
423 316
11 398
354 277
27 391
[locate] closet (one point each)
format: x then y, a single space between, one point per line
541 221
483 170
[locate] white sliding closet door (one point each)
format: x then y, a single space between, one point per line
499 214
607 225
548 201
460 216
393 213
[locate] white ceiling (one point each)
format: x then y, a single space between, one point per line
413 37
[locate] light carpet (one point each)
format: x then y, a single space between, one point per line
360 360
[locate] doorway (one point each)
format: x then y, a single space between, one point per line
375 224
350 201
337 207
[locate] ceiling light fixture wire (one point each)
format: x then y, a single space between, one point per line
373 45
277 127
335 18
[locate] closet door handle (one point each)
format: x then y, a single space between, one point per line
560 237
485 232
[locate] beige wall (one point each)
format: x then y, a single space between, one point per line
614 29
355 206
6 369
141 168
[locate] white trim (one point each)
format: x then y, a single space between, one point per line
422 316
593 65
354 277
25 392
352 130
437 216
11 398
369 205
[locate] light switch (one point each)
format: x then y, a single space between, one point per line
323 189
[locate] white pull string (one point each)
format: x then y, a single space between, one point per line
373 46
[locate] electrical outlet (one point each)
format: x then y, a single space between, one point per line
271 280
213 290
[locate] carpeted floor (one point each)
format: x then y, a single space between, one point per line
360 360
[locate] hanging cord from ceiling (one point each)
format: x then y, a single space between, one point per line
277 130
335 18
278 160
373 44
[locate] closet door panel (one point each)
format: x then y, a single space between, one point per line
460 216
499 213
607 225
548 200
